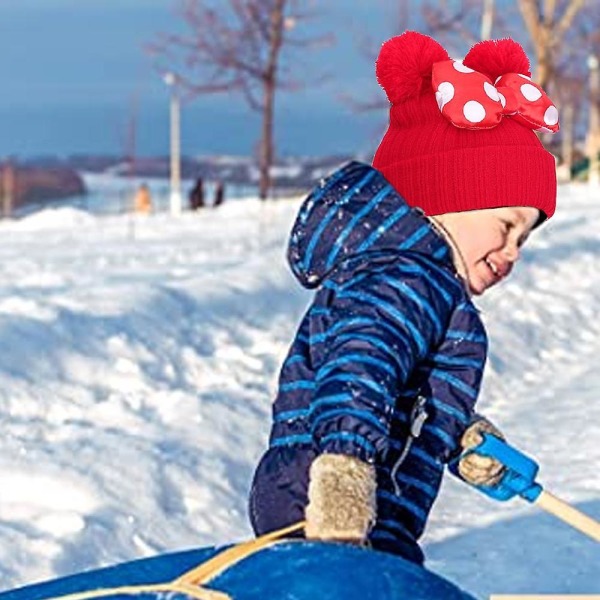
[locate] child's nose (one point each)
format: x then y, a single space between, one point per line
511 252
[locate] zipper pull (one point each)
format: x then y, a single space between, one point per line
418 417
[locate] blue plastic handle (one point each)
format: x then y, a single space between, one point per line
519 476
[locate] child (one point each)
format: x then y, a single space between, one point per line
378 391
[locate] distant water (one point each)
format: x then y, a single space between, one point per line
110 195
91 128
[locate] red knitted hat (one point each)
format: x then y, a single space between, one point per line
461 134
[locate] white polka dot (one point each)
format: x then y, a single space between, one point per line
530 92
491 91
544 130
444 94
524 76
502 100
457 64
551 115
498 79
440 100
474 111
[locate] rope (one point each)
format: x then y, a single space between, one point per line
190 582
214 566
191 591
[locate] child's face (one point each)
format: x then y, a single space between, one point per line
489 241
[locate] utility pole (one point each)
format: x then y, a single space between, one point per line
593 139
175 200
487 19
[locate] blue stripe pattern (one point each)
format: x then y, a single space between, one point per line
450 409
353 438
303 413
292 386
383 229
461 361
365 416
398 316
414 238
319 192
404 503
337 245
456 383
365 381
373 341
355 359
390 319
292 440
466 336
417 299
296 358
330 216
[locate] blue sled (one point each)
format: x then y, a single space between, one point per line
296 570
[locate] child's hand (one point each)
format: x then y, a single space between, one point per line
474 468
342 500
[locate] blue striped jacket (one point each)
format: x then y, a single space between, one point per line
390 322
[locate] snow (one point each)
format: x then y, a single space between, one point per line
138 360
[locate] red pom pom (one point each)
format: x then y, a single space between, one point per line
404 65
498 57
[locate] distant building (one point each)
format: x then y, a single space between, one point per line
21 185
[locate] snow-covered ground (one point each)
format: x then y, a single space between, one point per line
139 357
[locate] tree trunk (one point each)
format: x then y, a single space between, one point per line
547 32
593 136
269 84
567 125
543 69
266 143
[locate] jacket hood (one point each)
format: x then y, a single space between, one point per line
356 213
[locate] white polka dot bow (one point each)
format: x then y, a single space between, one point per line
468 99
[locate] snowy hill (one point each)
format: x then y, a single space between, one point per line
139 357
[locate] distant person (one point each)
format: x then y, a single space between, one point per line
143 200
378 391
196 196
219 194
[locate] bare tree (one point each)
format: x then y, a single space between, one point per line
238 46
563 34
459 21
547 29
127 134
456 24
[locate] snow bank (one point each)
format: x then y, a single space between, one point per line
139 356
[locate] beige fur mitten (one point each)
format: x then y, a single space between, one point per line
342 503
474 468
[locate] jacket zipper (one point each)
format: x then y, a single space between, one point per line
418 416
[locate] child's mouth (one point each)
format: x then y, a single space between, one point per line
493 268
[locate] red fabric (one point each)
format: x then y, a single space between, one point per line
443 167
470 100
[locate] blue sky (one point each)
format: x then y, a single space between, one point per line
70 70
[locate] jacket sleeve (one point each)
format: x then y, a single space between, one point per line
375 330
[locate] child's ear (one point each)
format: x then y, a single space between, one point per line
404 65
